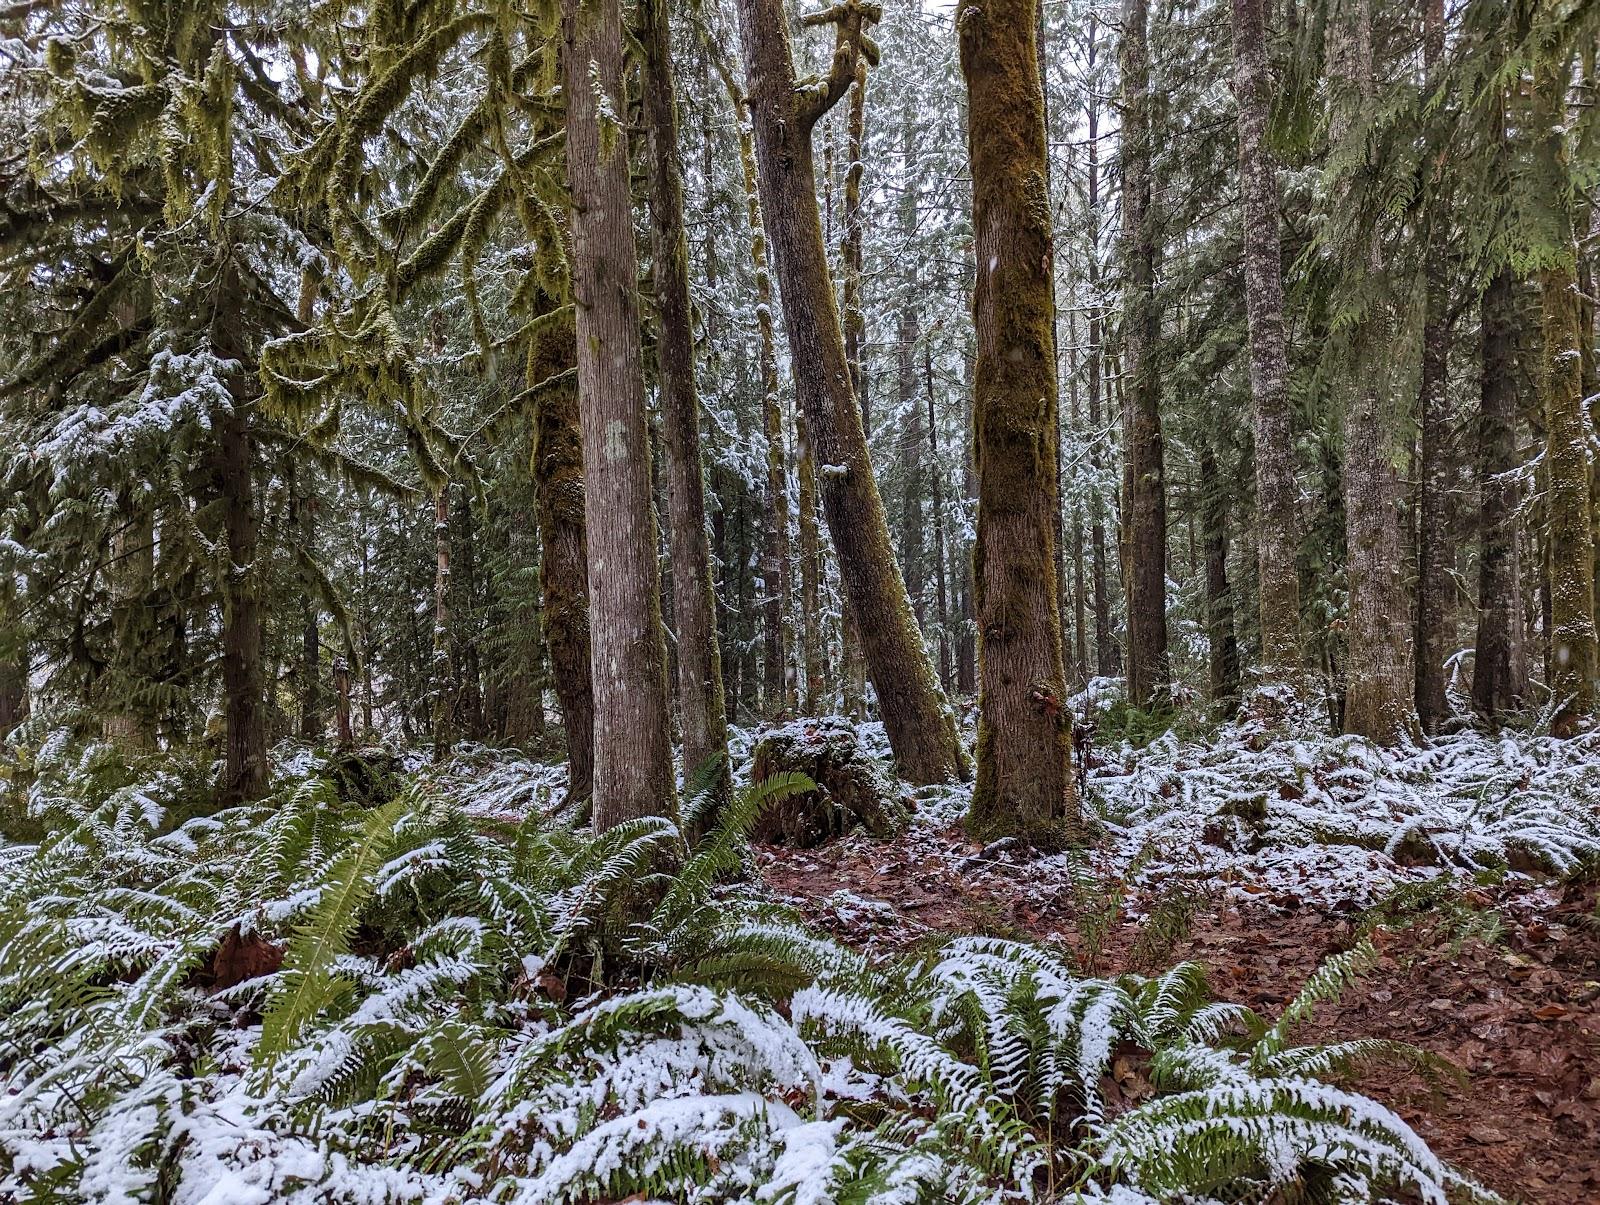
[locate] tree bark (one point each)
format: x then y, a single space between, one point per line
443 700
941 560
1573 651
13 696
243 682
1108 660
1379 682
854 670
814 650
1220 634
633 774
1496 685
1149 672
1278 529
557 465
700 702
1024 785
920 726
1434 559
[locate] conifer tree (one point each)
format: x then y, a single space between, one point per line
1277 535
627 649
784 114
700 700
1023 785
1149 669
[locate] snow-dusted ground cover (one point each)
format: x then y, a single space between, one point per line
1331 820
312 1001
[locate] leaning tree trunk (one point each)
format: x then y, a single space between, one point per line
1278 528
1379 683
627 649
1024 785
557 463
1496 685
920 726
700 703
1149 671
1573 652
1434 558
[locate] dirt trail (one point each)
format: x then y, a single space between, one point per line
1518 1013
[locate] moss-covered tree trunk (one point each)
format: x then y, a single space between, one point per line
557 465
1497 685
1024 785
700 702
920 726
1573 653
1149 671
1278 528
633 773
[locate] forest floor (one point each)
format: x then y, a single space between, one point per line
1499 974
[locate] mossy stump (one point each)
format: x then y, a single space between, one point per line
852 789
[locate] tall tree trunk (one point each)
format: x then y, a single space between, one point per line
1573 652
910 437
465 656
341 691
13 667
1278 529
854 670
1080 602
443 692
1024 786
244 774
633 774
1434 558
1149 672
774 555
967 644
705 724
1220 635
1496 685
557 464
813 647
920 726
941 560
1107 659
1380 686
303 507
